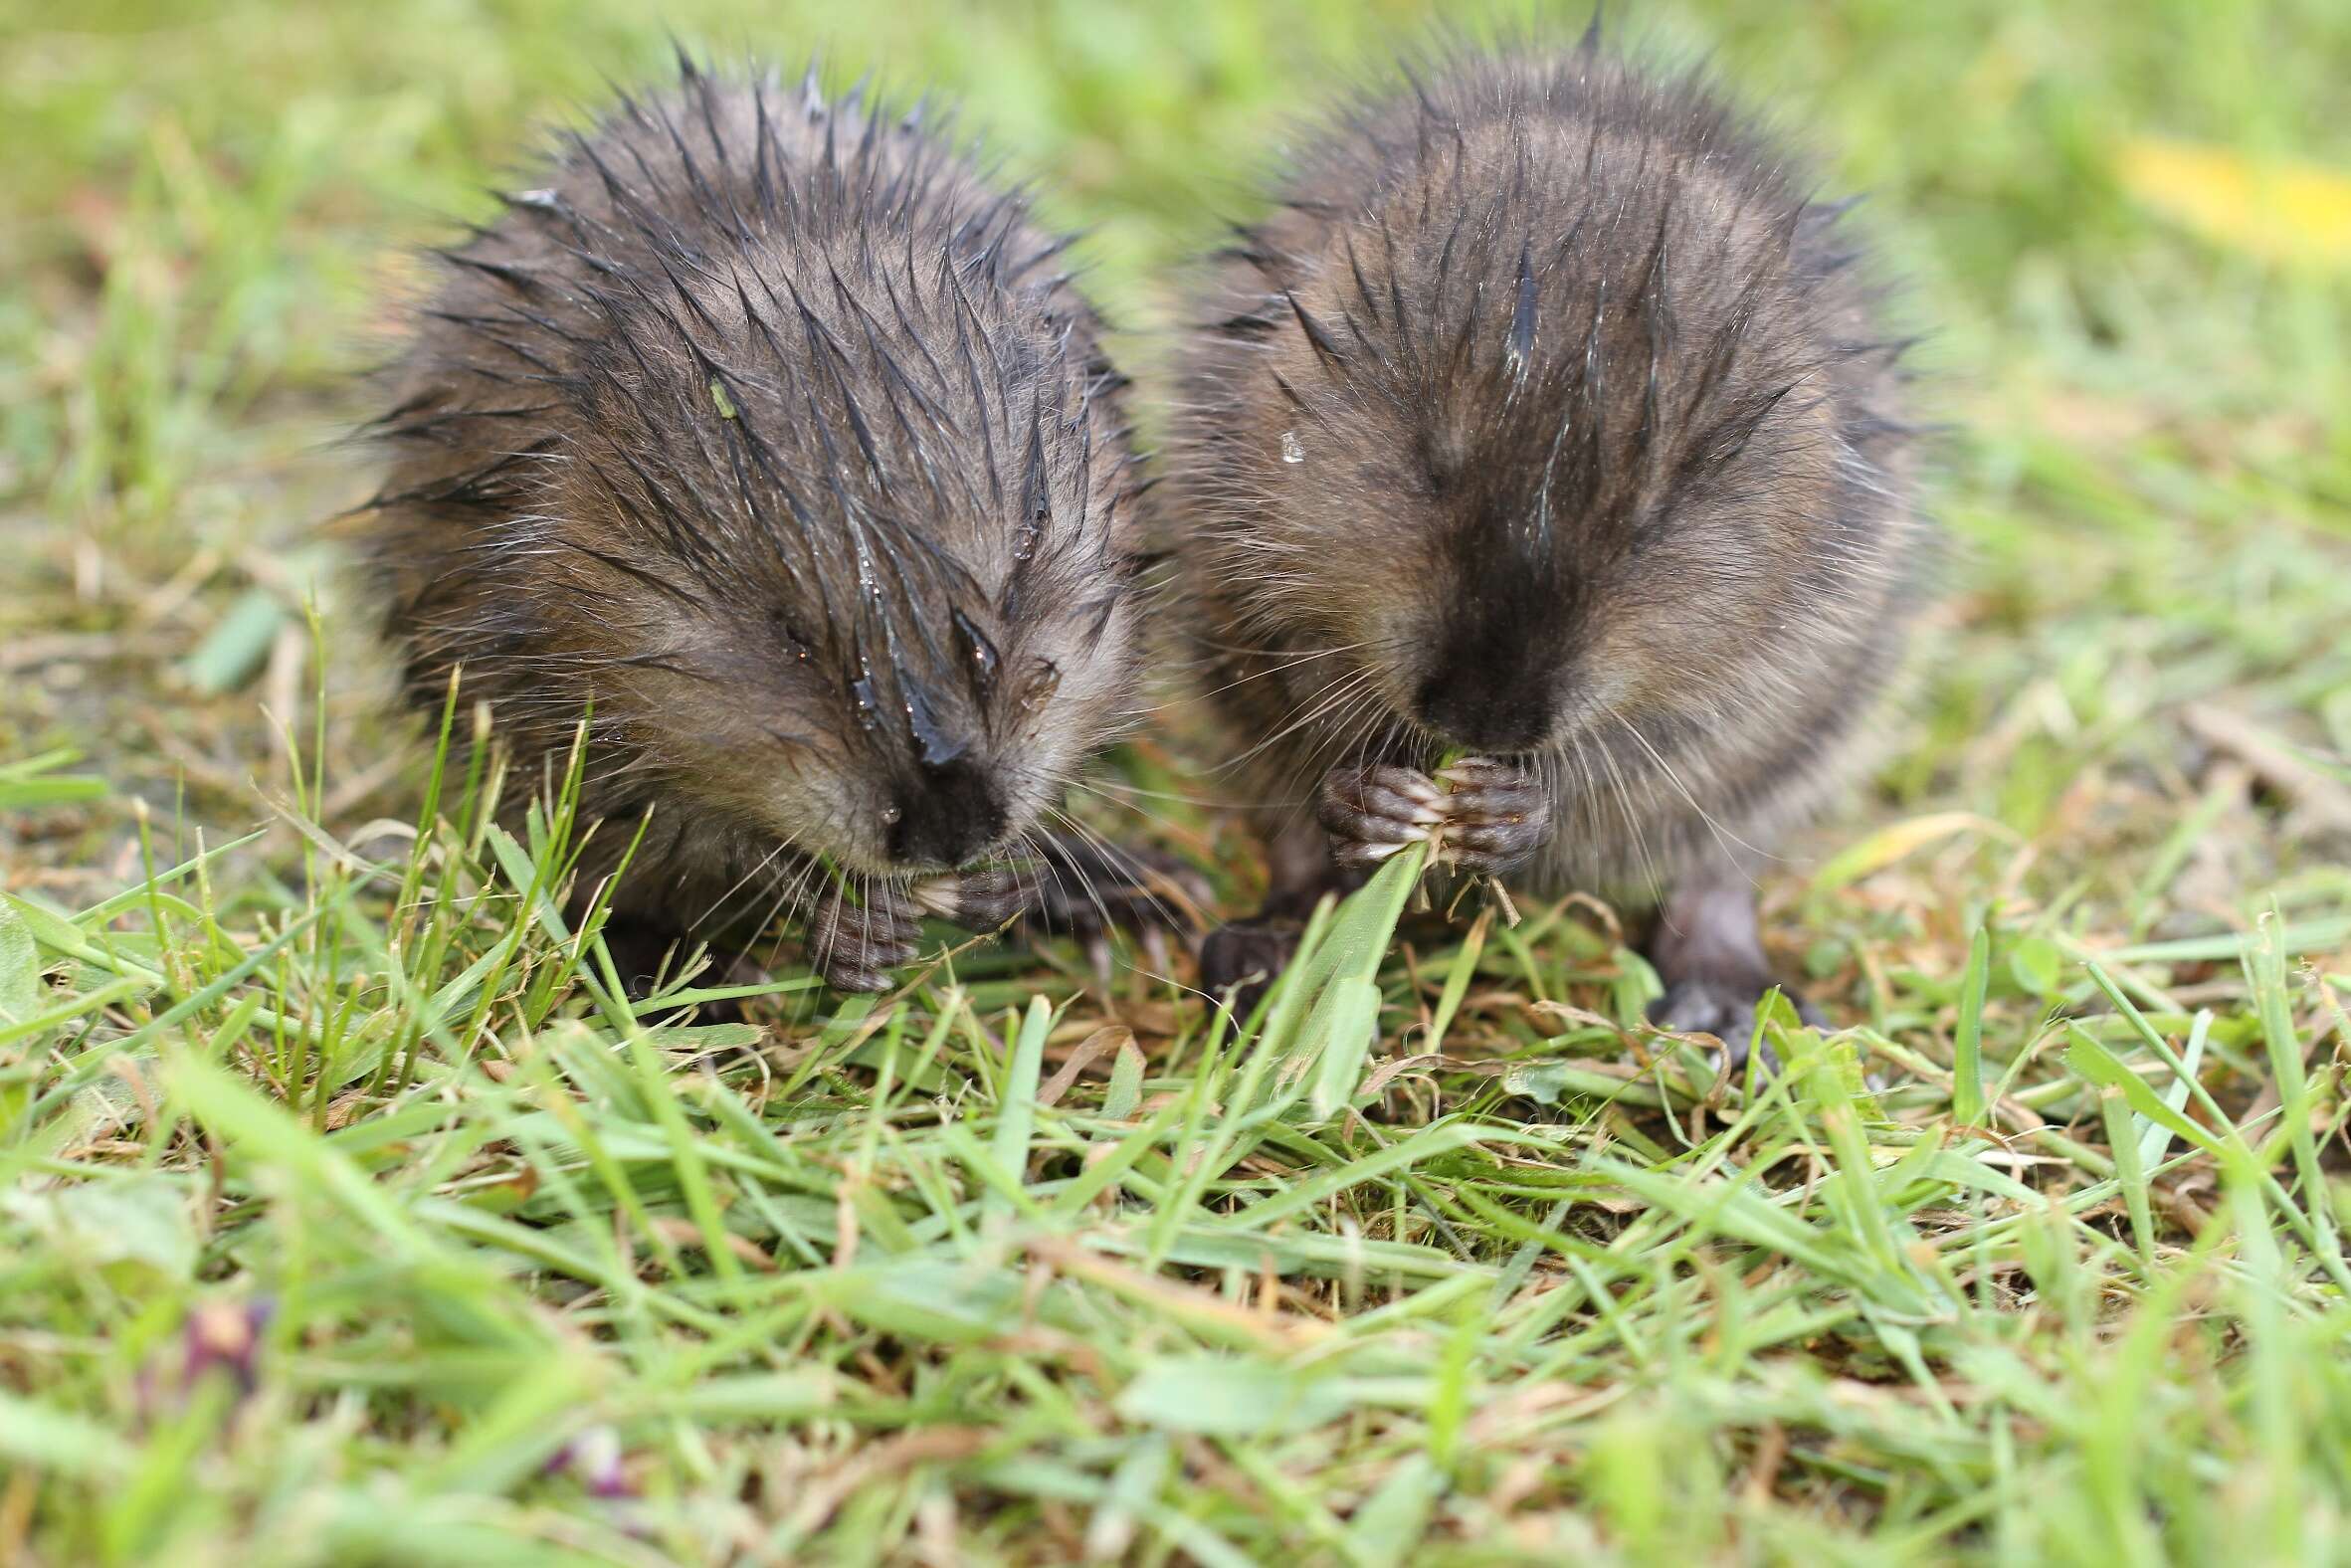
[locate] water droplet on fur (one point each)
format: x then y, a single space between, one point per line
1291 452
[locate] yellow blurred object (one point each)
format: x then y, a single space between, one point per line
2281 210
1897 840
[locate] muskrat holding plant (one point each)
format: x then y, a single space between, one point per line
772 437
1548 423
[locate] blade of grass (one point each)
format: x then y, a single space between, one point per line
1967 1056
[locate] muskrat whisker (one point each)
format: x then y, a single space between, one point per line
1714 822
741 883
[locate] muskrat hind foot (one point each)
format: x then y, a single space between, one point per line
644 952
650 956
1246 957
1724 1007
1709 951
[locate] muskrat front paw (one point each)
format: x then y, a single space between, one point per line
1478 814
1372 812
979 900
856 946
1071 887
1496 815
1088 887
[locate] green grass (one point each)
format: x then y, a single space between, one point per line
349 1212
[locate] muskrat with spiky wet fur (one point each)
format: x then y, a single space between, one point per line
769 434
1549 421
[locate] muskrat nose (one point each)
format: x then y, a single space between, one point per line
1485 715
947 815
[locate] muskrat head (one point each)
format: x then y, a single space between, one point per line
844 599
1555 456
913 738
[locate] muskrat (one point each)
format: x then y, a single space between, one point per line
772 437
1548 424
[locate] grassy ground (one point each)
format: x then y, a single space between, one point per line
346 1215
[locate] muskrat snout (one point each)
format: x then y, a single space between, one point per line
1505 711
1495 683
947 815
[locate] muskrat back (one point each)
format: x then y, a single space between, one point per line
768 434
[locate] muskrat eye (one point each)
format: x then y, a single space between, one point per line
1042 685
789 630
979 655
1440 463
